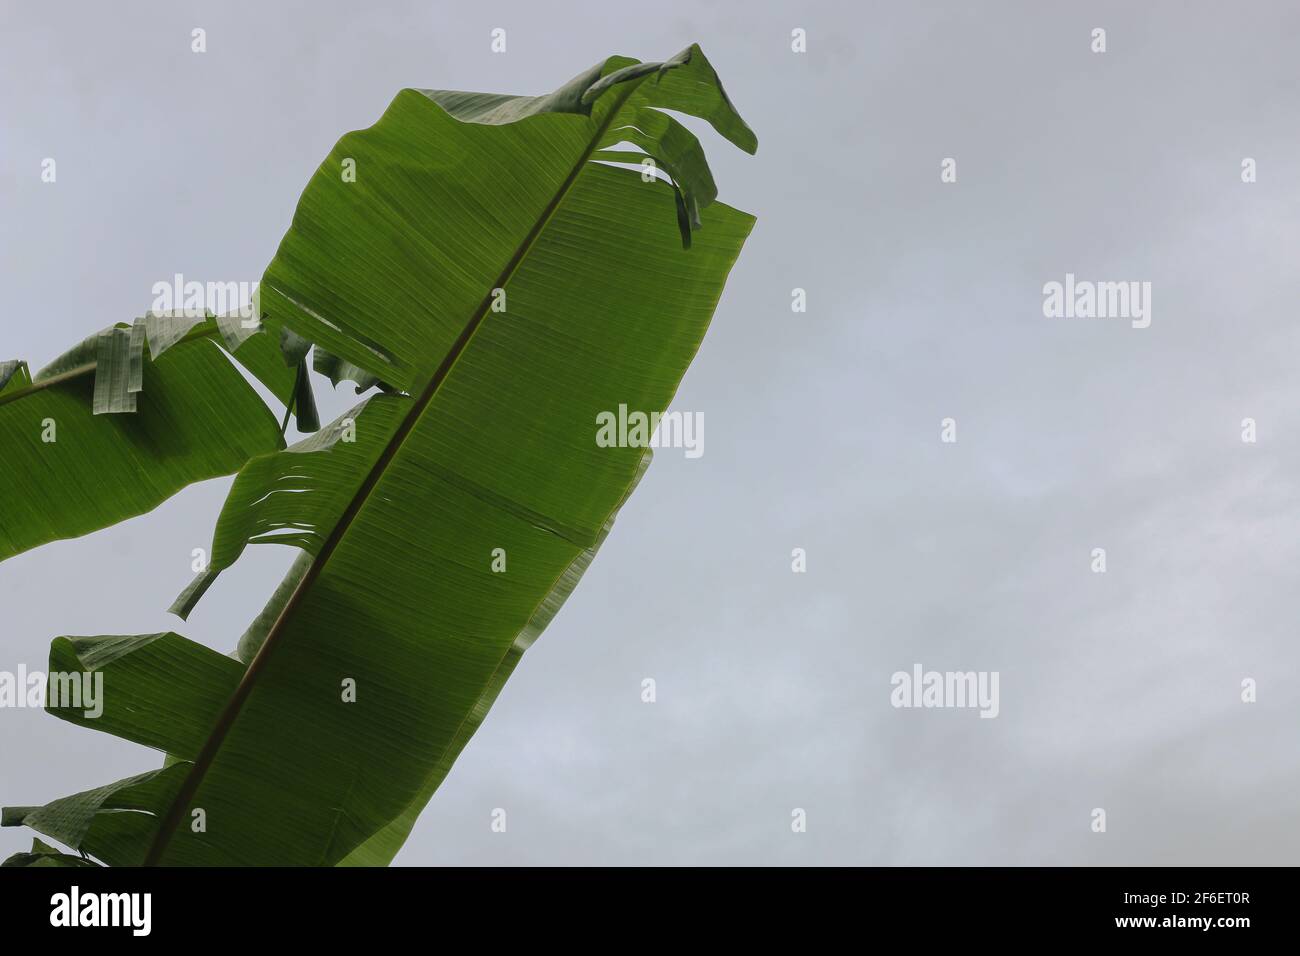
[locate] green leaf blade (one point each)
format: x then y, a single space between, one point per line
69 471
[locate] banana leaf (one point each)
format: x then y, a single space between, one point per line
44 855
162 424
487 263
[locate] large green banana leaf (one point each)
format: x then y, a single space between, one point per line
379 655
110 430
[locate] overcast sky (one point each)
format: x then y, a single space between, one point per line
1119 690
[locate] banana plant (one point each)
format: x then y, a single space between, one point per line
490 262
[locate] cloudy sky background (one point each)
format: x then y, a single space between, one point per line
1119 691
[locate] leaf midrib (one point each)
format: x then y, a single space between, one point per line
203 761
209 332
45 383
